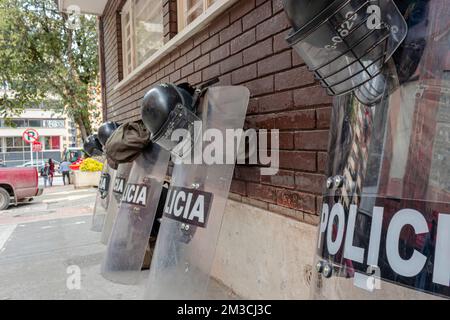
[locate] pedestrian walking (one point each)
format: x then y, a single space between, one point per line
64 168
51 166
45 173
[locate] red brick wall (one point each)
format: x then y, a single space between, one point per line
244 46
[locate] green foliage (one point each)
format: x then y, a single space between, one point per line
41 57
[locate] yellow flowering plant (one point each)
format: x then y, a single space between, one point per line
91 165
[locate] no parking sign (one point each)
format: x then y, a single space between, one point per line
30 136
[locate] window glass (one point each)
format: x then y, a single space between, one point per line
142 31
189 10
35 123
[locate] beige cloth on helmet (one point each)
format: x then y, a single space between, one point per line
126 143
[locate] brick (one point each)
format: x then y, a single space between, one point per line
195 78
210 44
296 59
286 140
253 106
225 79
219 24
310 182
241 9
211 72
258 15
187 70
262 192
260 122
231 63
261 86
299 119
283 178
275 63
180 62
201 62
193 54
293 78
175 76
311 140
243 41
322 160
298 160
272 26
238 187
258 51
276 102
186 47
220 53
319 204
231 32
296 200
323 118
251 174
311 96
244 74
200 37
277 5
280 43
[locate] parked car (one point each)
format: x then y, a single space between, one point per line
39 164
18 185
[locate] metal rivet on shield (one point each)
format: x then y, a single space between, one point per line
330 183
338 181
319 266
327 271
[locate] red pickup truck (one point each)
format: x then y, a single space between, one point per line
17 185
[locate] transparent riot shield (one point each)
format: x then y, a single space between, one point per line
196 200
132 228
103 197
118 187
385 225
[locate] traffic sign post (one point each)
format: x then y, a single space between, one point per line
37 146
31 136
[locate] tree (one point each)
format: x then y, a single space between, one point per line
45 53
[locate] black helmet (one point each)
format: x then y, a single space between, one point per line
106 130
166 108
159 102
92 146
301 12
346 43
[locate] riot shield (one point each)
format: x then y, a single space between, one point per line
196 200
118 187
103 197
384 230
132 228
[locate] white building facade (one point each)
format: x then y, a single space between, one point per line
56 132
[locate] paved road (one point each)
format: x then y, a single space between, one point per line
39 241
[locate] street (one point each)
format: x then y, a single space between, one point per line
43 242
